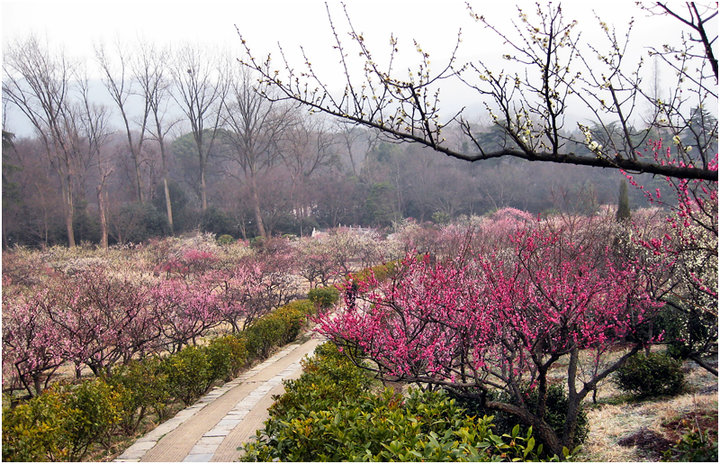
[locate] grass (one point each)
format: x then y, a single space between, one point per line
618 416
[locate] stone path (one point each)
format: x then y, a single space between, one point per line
214 427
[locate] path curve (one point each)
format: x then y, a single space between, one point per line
216 425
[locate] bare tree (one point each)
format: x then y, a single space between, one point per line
307 148
555 71
39 86
118 81
201 85
150 72
254 127
95 124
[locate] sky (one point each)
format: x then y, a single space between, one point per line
78 25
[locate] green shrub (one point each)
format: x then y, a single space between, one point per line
278 328
331 413
62 423
294 316
263 335
143 388
382 272
36 430
428 426
694 446
324 297
328 377
94 408
648 376
555 410
225 239
189 374
227 355
688 331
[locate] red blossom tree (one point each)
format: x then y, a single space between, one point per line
493 322
688 250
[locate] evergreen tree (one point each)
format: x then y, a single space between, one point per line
623 210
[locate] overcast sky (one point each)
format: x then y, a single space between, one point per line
77 25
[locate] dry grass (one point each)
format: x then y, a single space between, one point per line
609 423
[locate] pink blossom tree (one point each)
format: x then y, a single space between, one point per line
184 311
30 350
495 322
101 319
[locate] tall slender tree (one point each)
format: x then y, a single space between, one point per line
201 85
39 83
119 83
623 210
150 73
254 128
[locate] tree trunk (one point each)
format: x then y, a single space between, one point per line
203 193
574 399
256 207
69 213
138 185
103 218
543 430
168 205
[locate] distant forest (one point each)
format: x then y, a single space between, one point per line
228 161
360 180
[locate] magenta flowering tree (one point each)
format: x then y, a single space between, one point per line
190 262
477 324
315 263
689 250
237 291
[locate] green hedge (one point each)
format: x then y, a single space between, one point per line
277 328
62 423
68 421
332 414
324 297
382 272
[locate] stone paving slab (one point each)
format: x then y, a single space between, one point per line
200 432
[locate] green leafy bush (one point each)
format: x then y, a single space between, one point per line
94 407
555 411
648 376
62 423
35 430
330 413
382 272
428 426
280 327
189 374
324 297
143 388
227 355
225 239
694 446
328 377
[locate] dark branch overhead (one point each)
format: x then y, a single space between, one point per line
531 108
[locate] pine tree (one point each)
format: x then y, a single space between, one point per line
623 210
